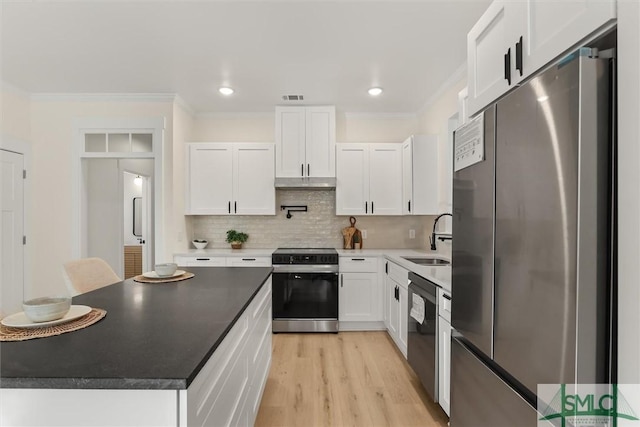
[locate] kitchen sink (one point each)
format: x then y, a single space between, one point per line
428 261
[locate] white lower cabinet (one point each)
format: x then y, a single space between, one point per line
359 296
444 364
396 309
228 389
444 349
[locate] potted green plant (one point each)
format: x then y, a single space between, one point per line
236 238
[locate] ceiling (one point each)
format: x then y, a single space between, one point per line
329 51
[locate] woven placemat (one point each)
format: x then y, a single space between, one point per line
185 276
21 334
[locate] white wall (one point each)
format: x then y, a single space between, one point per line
51 178
183 128
628 191
434 119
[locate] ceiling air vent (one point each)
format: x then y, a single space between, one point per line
293 97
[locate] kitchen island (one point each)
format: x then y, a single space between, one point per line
182 353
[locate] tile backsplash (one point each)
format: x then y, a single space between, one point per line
318 227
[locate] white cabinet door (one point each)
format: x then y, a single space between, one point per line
320 141
209 180
358 297
491 53
556 26
352 179
420 175
403 321
394 308
230 179
385 179
444 364
369 179
254 180
407 176
290 141
306 141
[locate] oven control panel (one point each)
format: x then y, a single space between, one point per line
311 259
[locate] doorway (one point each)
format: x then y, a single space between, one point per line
138 219
106 149
115 192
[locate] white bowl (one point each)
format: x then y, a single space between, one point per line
46 308
166 270
199 243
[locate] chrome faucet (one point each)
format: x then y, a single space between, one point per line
432 239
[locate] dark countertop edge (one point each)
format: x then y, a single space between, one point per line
215 345
93 383
128 383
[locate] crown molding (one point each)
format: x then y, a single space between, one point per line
458 75
9 88
356 115
257 115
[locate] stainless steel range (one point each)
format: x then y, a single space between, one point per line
305 290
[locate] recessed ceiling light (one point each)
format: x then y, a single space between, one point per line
226 91
375 91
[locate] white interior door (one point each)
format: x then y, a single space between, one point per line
12 231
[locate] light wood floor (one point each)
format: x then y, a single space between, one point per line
345 379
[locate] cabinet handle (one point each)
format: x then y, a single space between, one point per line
366 207
372 207
519 55
229 206
409 205
507 66
235 207
357 259
397 292
301 169
342 280
445 296
386 267
248 259
203 259
308 170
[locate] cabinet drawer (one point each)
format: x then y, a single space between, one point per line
249 261
200 261
358 264
444 304
398 273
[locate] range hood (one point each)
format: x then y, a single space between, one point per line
316 183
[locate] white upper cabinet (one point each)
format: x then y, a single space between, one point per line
230 179
209 179
369 179
557 26
305 142
420 171
491 53
513 39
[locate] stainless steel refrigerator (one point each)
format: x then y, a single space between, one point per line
532 247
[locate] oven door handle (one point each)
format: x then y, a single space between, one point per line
302 268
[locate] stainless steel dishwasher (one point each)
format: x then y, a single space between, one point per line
422 340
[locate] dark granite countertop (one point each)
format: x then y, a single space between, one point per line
154 336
